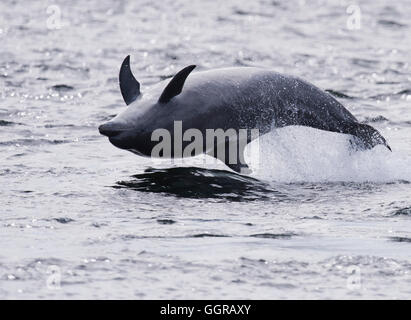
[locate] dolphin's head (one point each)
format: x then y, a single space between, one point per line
132 129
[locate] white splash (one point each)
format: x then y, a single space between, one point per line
303 154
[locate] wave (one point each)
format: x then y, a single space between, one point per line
31 142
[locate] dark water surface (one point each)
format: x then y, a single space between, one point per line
82 219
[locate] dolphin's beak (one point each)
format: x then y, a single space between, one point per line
108 129
113 128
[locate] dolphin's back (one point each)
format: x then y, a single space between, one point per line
259 98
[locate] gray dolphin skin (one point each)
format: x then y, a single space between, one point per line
239 98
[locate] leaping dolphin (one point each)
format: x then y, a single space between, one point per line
242 97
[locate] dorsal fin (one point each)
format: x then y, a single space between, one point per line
129 86
175 86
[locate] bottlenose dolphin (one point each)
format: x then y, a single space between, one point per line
241 97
